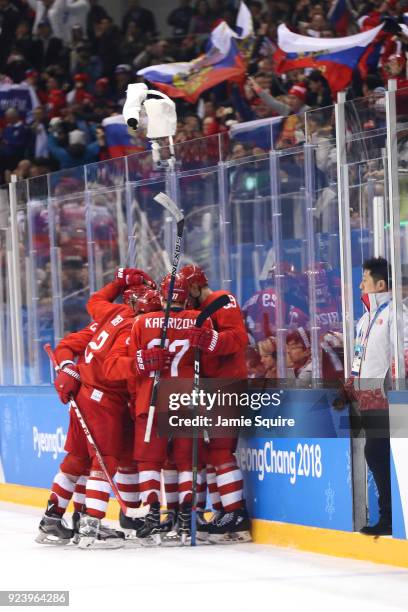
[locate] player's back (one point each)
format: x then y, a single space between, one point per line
95 353
230 362
146 333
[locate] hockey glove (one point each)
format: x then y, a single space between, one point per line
131 277
150 360
67 382
203 338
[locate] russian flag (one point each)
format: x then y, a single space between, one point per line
339 16
336 58
117 136
221 62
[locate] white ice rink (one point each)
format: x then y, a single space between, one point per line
246 577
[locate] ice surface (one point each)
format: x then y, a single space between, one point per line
246 577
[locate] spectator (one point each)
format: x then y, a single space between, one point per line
133 42
52 12
46 47
95 14
155 53
77 153
299 355
141 16
107 44
84 62
55 97
14 140
123 76
23 42
76 17
9 19
295 100
395 68
21 172
78 95
180 18
201 22
268 356
39 136
318 93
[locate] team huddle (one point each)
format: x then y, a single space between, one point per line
108 370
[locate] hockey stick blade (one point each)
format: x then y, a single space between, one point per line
168 204
220 302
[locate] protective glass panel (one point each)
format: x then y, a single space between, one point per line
200 202
41 298
151 229
320 125
6 355
106 219
198 152
366 188
69 250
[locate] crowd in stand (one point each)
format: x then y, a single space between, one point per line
79 62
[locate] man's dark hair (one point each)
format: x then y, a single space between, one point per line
379 269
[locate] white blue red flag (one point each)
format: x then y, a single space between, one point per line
117 136
222 61
336 58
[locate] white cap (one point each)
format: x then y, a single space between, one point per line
76 137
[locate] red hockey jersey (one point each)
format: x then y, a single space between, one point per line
146 333
233 339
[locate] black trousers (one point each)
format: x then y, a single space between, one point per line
376 424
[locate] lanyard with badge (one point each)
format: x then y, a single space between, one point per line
360 347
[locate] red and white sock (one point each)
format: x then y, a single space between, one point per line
149 483
61 492
170 480
97 495
79 494
230 486
201 489
213 489
127 480
185 486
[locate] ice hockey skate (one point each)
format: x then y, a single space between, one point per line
149 533
230 528
92 534
168 528
129 527
203 525
53 530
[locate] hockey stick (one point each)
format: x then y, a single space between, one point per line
169 205
223 300
129 512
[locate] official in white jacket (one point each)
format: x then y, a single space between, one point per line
370 373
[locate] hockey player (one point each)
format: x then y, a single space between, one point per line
112 410
139 296
226 344
152 456
74 468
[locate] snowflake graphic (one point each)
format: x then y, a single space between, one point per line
371 483
330 507
348 467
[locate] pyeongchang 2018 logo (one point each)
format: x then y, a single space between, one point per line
45 442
